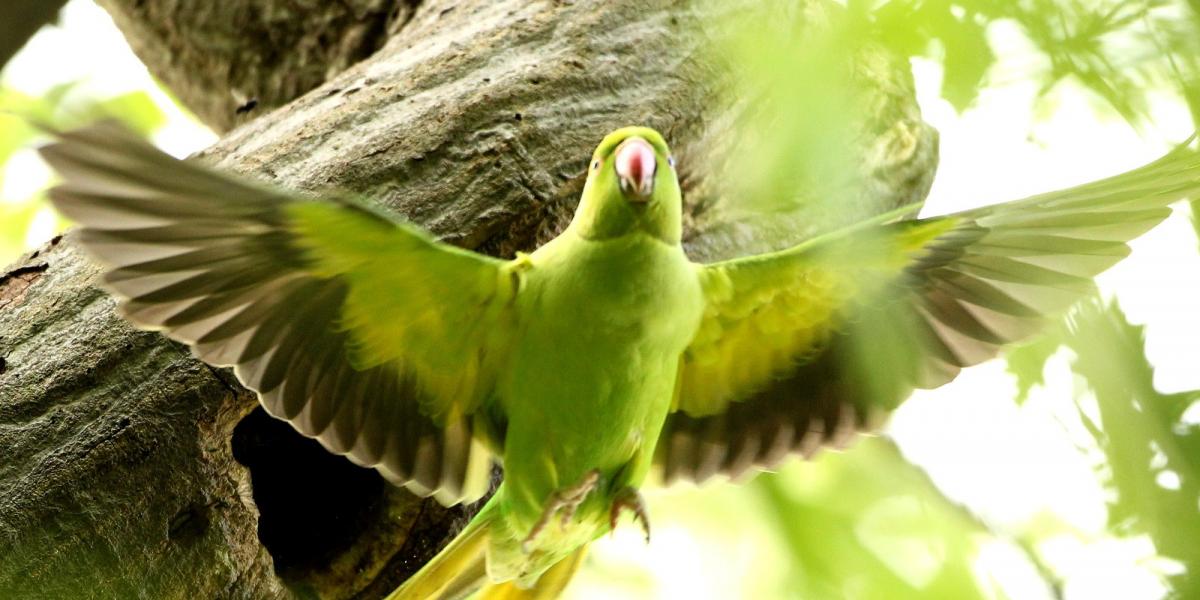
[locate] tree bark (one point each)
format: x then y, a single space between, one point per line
131 470
233 60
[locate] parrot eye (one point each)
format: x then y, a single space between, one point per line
671 161
595 165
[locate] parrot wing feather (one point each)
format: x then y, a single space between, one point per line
361 331
807 346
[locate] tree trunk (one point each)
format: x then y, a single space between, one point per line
129 469
233 60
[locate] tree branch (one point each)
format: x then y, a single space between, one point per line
233 60
475 120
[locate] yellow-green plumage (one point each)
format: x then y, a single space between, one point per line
592 361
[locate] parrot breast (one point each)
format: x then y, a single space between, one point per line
603 326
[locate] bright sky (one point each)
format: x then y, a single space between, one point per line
1010 465
107 67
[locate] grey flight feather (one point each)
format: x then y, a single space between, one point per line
209 260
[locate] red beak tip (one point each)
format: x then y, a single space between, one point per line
636 164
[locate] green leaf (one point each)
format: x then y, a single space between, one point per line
1153 461
1195 206
63 106
967 60
1120 51
136 109
1027 362
869 524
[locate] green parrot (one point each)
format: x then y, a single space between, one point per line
586 365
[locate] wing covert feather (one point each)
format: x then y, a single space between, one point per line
803 347
362 332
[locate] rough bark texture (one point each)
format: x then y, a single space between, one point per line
129 469
233 60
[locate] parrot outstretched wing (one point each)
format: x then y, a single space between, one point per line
364 333
807 346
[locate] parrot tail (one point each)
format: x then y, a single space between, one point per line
461 568
456 571
549 587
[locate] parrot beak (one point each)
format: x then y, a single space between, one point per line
635 164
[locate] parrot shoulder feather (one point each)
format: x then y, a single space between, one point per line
804 347
361 331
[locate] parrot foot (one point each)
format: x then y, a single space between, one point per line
565 501
629 499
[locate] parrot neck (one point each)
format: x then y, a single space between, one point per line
608 218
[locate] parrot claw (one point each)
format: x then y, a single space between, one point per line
629 499
565 501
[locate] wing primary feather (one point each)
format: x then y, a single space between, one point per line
844 326
267 281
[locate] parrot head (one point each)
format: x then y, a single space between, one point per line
631 187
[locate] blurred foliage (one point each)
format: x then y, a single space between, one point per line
800 124
1151 451
800 139
1121 50
1026 362
859 525
1153 455
1196 217
868 524
62 107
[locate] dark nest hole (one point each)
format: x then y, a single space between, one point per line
313 506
